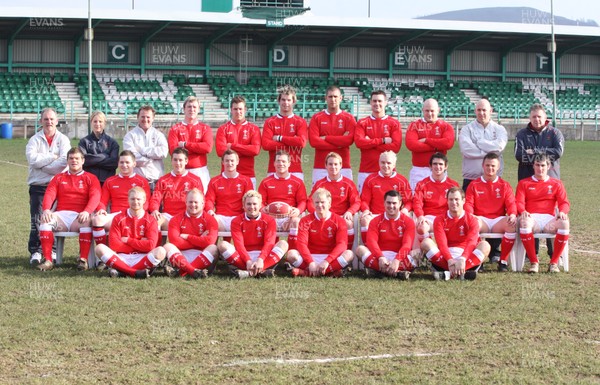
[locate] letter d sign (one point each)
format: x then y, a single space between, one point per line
280 56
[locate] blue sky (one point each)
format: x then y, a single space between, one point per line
573 9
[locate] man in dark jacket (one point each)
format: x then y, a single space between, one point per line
100 150
539 137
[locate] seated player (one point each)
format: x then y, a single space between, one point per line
375 187
537 200
322 241
456 251
255 251
114 197
345 198
285 187
172 188
389 241
132 238
192 236
430 200
492 200
225 191
76 193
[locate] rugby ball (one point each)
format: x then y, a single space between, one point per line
278 209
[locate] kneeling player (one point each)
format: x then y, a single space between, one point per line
322 241
254 252
132 238
389 241
456 252
192 236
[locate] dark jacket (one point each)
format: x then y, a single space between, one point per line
549 141
101 155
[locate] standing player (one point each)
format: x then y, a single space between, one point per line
375 187
255 251
375 134
196 137
346 201
171 189
46 154
240 136
132 239
456 252
538 197
492 200
285 131
539 137
479 138
287 188
148 145
76 194
331 130
225 192
425 137
430 200
387 250
322 241
115 195
192 237
100 150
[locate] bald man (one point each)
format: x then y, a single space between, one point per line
479 138
425 137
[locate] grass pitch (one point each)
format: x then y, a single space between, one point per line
63 327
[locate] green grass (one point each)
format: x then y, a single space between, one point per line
62 327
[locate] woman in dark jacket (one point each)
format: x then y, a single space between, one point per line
100 150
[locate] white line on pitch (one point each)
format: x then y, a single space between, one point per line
586 251
13 164
326 360
593 342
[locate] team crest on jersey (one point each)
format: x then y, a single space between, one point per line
342 191
395 187
245 134
186 186
292 129
142 230
550 190
259 232
461 231
80 184
200 228
386 130
290 192
400 231
329 232
340 123
498 193
198 134
437 131
239 188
